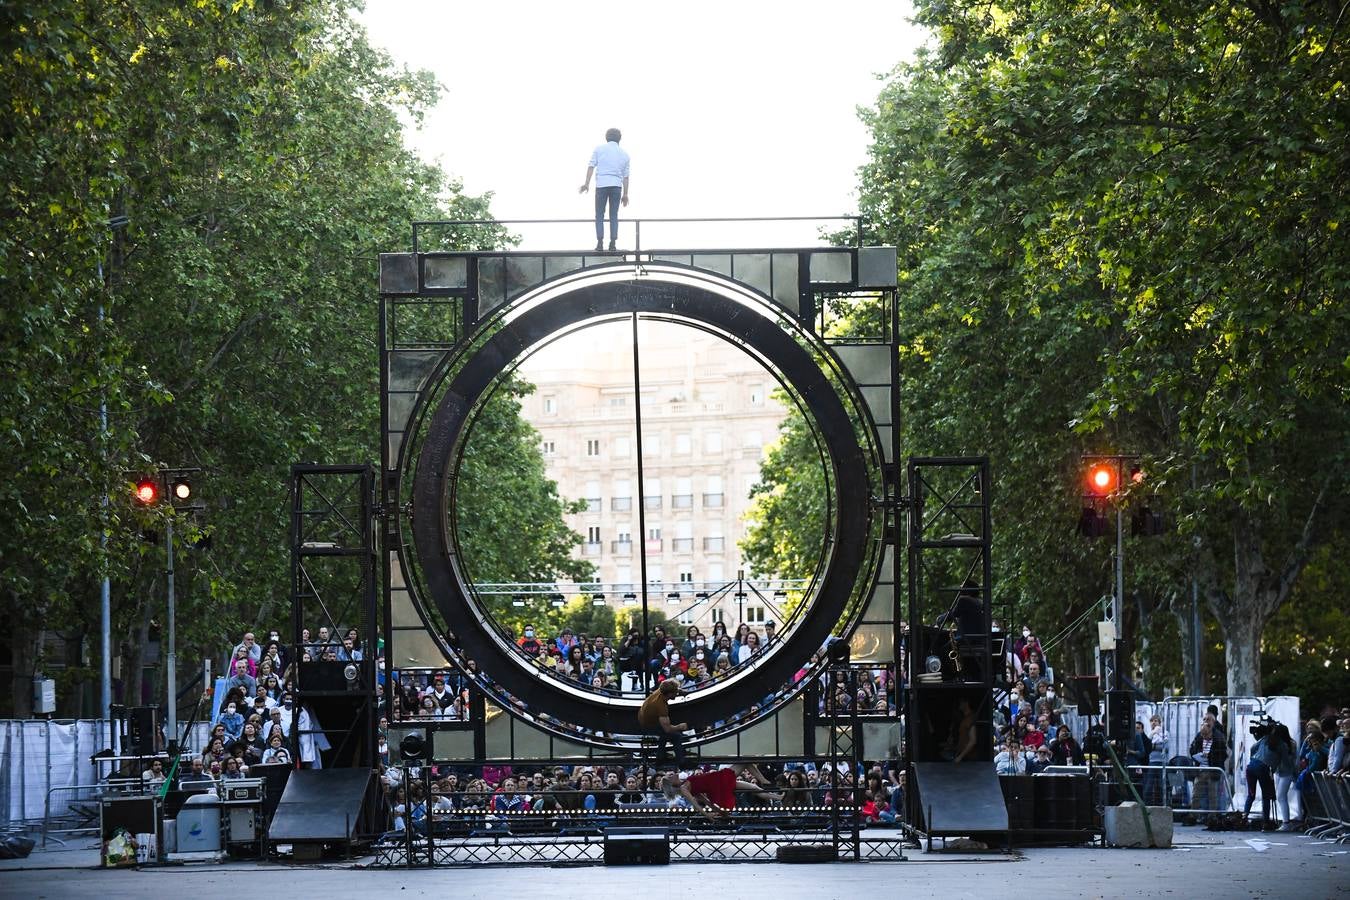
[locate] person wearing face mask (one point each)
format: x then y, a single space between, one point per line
529 643
233 721
1015 704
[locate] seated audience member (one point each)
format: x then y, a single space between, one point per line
1012 759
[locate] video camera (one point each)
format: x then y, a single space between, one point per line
1261 727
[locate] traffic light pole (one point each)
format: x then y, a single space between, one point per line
171 660
1118 602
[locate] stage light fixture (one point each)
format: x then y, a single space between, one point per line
597 600
672 597
557 601
701 597
629 599
413 747
147 491
517 600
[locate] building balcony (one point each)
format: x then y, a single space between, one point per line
591 548
713 501
654 545
651 503
682 545
594 504
681 501
714 544
621 504
621 548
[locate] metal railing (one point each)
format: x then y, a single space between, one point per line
1333 793
74 808
1186 790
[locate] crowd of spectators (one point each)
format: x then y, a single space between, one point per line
253 721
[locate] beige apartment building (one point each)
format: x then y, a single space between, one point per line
708 412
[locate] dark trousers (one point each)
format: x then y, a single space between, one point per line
1259 773
676 740
610 195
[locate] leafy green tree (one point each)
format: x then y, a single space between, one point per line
1117 228
196 198
1118 231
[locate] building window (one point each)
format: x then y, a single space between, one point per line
718 615
592 448
550 448
623 532
712 442
754 615
686 576
684 445
686 616
757 395
651 491
751 439
592 497
651 445
622 500
550 406
623 446
618 401
712 492
593 534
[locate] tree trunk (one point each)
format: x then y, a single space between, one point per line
1258 592
1186 627
23 642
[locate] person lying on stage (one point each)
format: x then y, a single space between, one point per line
714 793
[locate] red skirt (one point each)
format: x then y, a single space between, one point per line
719 786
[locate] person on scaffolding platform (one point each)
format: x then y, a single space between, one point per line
654 718
609 164
714 793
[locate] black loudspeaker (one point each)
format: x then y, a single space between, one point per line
141 724
637 847
1020 798
1086 694
1119 715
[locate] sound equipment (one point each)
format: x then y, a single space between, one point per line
1086 694
1119 715
1019 796
1063 802
141 727
637 847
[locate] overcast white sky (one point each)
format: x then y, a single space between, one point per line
728 109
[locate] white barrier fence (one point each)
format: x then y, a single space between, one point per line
38 755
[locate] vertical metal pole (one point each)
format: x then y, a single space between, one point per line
641 499
105 587
1118 602
171 699
1197 638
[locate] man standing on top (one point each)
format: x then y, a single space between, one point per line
654 718
609 165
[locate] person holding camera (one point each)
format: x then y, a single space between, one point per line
1271 754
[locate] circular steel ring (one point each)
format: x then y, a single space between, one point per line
437 459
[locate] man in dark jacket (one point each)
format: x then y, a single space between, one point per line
1210 750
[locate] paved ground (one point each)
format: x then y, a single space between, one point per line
1201 865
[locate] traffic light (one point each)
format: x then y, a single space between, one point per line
147 491
180 490
1092 522
1144 522
1101 479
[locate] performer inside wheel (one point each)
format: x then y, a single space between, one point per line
714 793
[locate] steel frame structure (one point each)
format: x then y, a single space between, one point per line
462 292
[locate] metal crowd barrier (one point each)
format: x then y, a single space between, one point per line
1334 793
74 809
1187 790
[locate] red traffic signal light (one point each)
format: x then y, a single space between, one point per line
1101 479
147 491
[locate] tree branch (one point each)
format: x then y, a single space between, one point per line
1302 552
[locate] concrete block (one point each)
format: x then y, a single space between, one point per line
1124 826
